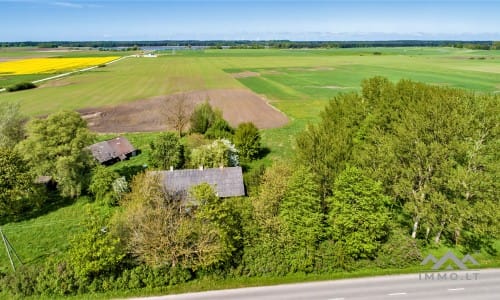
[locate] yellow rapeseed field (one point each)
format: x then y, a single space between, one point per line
50 65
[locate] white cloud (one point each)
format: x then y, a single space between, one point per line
75 5
67 4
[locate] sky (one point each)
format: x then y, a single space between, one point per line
81 20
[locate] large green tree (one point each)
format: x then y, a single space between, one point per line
56 146
247 140
302 216
166 151
203 117
358 214
326 147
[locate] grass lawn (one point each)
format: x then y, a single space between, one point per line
46 236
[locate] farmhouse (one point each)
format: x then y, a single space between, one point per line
227 182
111 151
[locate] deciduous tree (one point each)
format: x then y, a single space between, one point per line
56 146
166 151
247 140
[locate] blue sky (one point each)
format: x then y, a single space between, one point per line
42 20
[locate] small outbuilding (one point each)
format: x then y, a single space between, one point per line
111 151
227 182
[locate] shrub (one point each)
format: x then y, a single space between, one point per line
101 184
21 86
219 129
399 251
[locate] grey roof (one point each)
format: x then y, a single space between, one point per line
227 182
118 147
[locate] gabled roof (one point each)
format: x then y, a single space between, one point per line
227 182
118 147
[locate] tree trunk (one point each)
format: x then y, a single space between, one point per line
427 232
415 227
437 239
457 236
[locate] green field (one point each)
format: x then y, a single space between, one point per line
298 82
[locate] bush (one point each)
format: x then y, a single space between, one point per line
219 129
399 251
21 86
101 184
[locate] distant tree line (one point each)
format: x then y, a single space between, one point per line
280 44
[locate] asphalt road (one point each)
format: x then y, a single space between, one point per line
459 285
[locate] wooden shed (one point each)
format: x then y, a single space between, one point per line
111 151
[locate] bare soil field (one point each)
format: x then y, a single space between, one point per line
237 105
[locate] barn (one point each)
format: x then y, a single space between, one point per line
227 182
113 150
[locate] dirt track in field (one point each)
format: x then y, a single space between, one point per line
237 105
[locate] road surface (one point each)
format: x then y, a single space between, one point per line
459 285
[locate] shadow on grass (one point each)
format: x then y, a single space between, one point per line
130 171
53 202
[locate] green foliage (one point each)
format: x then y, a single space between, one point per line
56 147
432 148
11 125
159 230
399 251
102 184
326 148
216 219
203 118
166 151
17 188
265 242
247 140
302 217
333 257
95 251
358 215
219 153
219 129
21 86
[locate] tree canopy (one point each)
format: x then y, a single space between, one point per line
56 146
11 125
